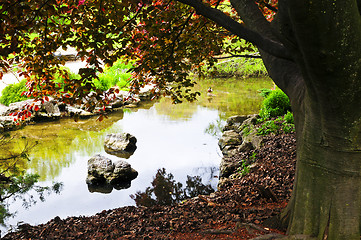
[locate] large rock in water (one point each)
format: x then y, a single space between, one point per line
120 145
102 171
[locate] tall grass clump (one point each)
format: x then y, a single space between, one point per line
116 75
13 93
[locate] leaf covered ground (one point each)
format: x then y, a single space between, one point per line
240 210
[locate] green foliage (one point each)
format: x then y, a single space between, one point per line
288 117
246 131
264 92
245 168
15 183
283 124
13 93
275 104
116 75
240 66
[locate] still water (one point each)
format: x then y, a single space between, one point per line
181 138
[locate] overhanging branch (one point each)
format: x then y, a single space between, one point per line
239 56
268 45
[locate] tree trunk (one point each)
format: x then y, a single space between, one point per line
326 199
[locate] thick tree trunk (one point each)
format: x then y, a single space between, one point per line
326 200
327 203
327 196
323 82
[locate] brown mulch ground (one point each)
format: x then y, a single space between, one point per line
237 211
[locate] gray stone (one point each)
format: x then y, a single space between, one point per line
234 122
120 145
73 111
229 138
102 171
49 110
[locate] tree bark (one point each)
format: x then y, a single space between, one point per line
326 196
323 82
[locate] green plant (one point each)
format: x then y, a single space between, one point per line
116 75
246 131
268 127
245 168
288 117
275 104
13 93
281 124
264 92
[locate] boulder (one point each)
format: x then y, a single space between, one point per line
78 112
230 138
7 123
49 110
102 171
120 145
3 110
235 122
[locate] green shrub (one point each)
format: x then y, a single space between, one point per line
283 124
264 92
12 93
116 75
288 117
59 79
275 104
268 127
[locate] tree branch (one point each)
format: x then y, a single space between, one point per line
239 56
268 45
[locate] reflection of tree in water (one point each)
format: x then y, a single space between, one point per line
215 128
167 191
15 183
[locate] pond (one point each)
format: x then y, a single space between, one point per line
181 138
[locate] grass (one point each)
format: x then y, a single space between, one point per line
281 124
116 75
238 66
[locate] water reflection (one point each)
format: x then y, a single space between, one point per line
15 184
107 188
181 138
166 191
229 96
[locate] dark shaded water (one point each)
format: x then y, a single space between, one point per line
180 138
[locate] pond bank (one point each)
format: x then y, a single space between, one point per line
54 110
236 211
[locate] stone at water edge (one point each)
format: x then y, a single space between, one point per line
102 170
120 145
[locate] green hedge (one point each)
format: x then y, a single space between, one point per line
276 103
12 93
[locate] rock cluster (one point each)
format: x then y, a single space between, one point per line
239 135
53 109
105 174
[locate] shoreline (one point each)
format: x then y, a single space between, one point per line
237 209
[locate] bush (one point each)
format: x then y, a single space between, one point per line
12 93
275 104
115 75
288 117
